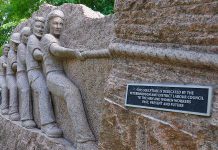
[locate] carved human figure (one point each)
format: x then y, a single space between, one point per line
22 81
3 85
11 77
59 84
37 80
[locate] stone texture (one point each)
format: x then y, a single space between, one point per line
153 40
14 136
87 30
59 84
37 80
192 22
91 31
134 128
90 76
187 25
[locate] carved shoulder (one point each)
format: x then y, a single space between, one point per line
21 47
33 43
47 40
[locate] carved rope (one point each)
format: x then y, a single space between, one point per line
102 53
131 50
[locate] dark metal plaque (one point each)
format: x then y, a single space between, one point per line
192 99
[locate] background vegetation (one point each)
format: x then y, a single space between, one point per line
13 12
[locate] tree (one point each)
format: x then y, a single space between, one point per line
12 13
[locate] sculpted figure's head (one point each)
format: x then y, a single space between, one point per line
55 22
25 33
6 49
15 41
38 26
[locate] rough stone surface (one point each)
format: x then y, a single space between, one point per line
59 84
15 137
90 76
188 22
91 31
144 32
102 82
87 30
134 128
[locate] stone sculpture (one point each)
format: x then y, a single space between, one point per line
37 80
3 85
59 84
11 78
22 81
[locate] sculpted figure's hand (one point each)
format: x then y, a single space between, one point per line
77 54
80 56
4 65
14 67
37 54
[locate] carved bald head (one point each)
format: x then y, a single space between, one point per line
55 22
25 33
15 40
38 26
6 49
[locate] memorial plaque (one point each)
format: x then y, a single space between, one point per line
192 99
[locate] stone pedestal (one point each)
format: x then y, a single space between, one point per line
14 136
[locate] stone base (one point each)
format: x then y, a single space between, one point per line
125 129
14 136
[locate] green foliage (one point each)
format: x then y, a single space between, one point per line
12 12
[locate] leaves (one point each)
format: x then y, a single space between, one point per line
13 12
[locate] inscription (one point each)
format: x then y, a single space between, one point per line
178 98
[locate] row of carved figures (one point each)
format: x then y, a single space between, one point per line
21 73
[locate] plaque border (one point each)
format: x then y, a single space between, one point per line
209 104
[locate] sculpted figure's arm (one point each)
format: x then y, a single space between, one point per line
13 62
60 51
34 48
4 65
37 54
14 66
